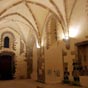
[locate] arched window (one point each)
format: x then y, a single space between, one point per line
6 42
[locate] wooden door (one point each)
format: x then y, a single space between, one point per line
5 67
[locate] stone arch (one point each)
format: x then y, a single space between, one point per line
50 30
18 32
24 18
42 6
11 39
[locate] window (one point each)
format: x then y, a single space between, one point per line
6 42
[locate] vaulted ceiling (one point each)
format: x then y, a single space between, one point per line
29 16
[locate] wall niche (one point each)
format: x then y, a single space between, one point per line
82 59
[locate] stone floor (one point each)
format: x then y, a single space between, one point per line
31 84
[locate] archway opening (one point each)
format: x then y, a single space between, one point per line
7 67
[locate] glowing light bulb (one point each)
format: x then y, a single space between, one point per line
73 31
38 46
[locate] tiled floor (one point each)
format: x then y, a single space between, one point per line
31 84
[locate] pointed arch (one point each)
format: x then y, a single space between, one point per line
51 31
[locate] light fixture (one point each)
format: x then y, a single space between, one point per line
38 45
74 31
66 39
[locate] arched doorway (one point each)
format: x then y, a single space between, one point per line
7 67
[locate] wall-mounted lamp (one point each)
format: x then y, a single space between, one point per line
67 41
38 45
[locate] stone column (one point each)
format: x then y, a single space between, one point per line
41 66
